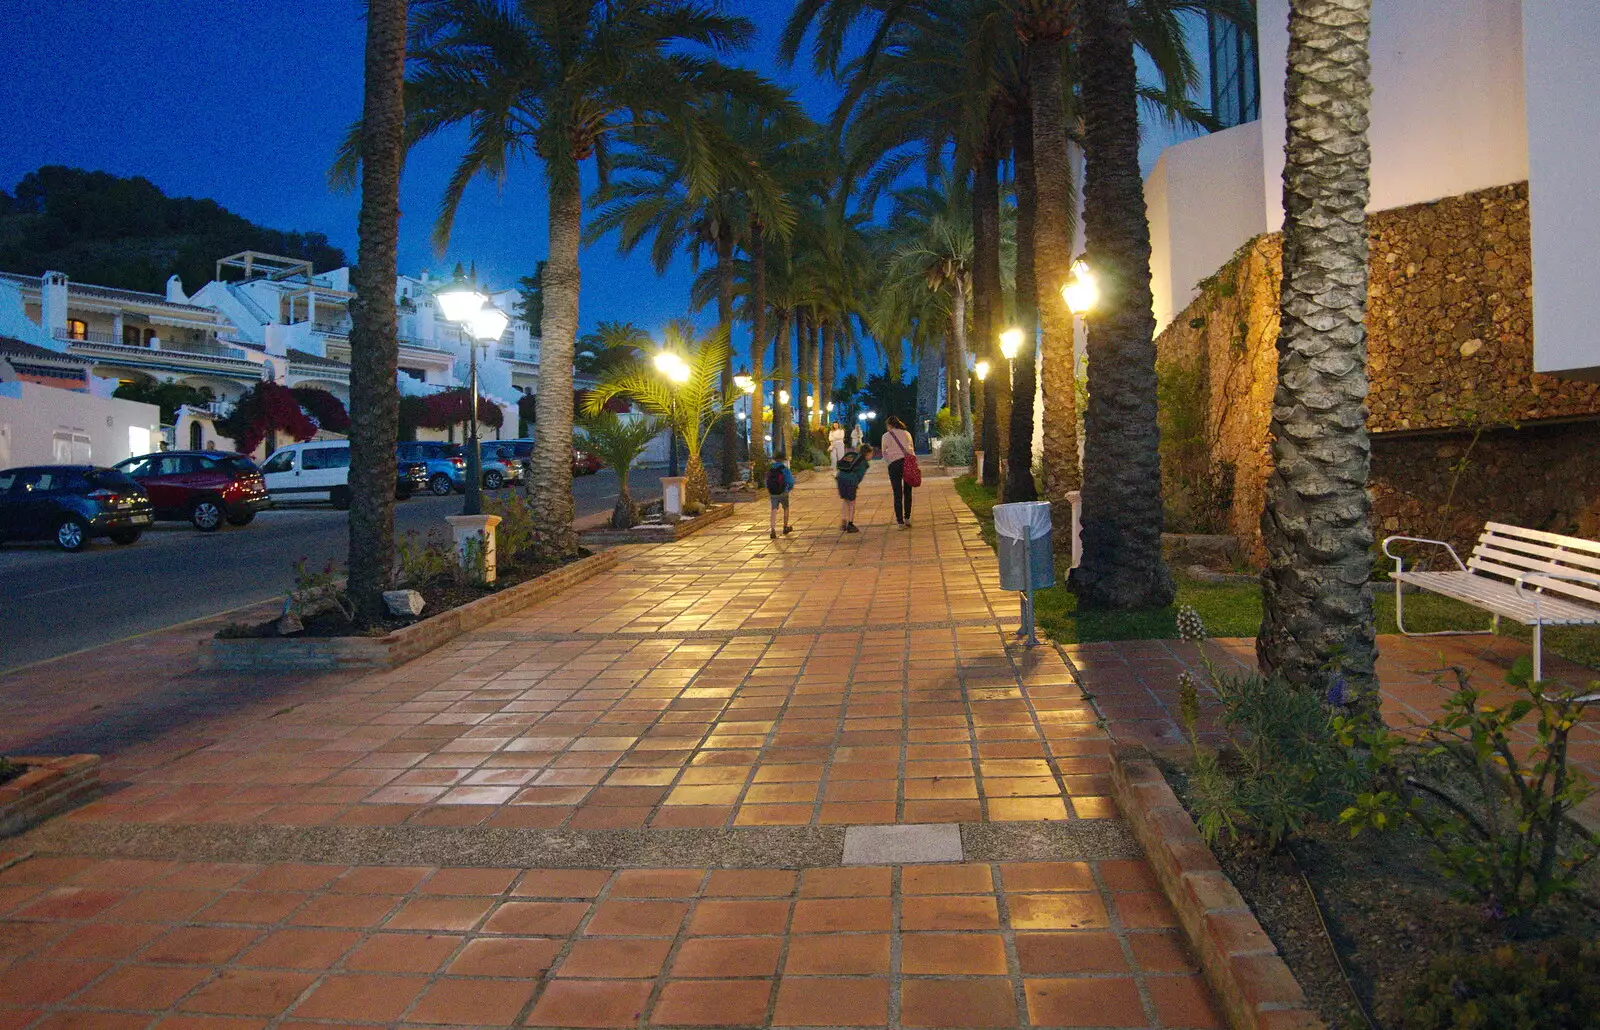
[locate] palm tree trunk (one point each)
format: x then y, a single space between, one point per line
1315 591
797 396
730 430
782 373
758 357
374 347
696 485
1024 369
622 513
554 539
928 356
1122 513
963 379
814 373
1052 249
825 371
987 306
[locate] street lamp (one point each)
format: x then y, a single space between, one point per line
1082 292
981 369
484 323
676 370
1011 343
745 384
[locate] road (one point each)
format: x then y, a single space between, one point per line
53 603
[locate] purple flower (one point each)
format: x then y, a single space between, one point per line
1336 691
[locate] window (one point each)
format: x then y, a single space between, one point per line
283 461
197 435
415 373
1235 83
177 464
111 479
77 329
326 458
138 467
130 336
70 448
229 463
7 480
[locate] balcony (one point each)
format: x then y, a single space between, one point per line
93 344
529 357
340 328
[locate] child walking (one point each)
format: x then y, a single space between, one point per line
852 469
780 481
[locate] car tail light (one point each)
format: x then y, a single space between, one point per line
110 498
459 462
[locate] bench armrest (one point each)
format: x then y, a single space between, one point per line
1399 561
1554 577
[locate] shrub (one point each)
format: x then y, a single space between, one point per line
266 407
323 408
1284 764
946 424
419 562
1508 989
956 451
515 533
1493 804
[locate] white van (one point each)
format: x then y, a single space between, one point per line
309 473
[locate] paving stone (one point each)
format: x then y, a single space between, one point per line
899 845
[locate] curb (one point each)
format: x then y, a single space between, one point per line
678 530
401 646
50 786
1256 989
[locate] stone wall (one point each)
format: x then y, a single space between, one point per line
1450 351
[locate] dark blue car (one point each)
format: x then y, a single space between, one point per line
71 505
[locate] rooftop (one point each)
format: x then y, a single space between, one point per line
107 293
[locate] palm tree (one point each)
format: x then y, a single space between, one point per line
610 344
560 80
1019 484
374 347
1317 600
659 199
1122 567
618 442
691 407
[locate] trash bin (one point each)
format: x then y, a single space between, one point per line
1025 545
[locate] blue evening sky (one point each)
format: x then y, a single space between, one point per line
245 103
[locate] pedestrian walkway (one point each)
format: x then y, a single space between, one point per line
626 806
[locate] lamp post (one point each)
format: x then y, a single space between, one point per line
677 373
783 433
1082 292
981 371
747 386
483 323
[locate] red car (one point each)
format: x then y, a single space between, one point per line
204 487
585 464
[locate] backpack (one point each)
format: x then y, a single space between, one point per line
775 484
848 462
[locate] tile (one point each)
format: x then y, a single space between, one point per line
1144 910
946 879
657 883
603 958
1057 912
143 988
901 845
561 883
360 998
838 955
727 956
1084 1002
1163 951
957 1003
844 883
40 982
473 1002
722 918
1184 1001
712 1003
402 952
750 883
1082 952
643 918
506 956
536 918
591 1003
831 915
940 954
195 945
949 912
804 1001
249 992
469 881
441 914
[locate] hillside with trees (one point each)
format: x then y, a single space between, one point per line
112 231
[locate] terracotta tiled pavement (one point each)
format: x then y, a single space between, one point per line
289 852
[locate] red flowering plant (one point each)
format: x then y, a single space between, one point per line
326 410
266 408
454 407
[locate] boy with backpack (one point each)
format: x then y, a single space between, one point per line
851 470
780 481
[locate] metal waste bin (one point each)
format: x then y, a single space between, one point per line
1027 562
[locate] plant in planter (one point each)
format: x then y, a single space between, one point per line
8 769
1283 764
681 391
1510 989
617 443
1494 806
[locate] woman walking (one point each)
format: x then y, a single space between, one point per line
897 446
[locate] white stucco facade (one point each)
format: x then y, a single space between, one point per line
1467 95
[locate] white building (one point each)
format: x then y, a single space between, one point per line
1467 95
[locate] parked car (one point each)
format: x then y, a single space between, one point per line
309 473
410 477
447 467
71 505
583 463
500 465
204 487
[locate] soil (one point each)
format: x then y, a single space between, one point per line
10 771
1387 911
440 595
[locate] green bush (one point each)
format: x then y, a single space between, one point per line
956 451
1493 803
946 423
1509 989
1283 766
515 533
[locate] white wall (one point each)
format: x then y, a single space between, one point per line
32 415
1204 200
1447 97
1562 45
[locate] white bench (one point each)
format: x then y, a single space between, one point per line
1526 575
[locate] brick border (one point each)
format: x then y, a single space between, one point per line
609 537
401 646
1256 989
48 786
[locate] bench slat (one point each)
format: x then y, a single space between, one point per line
1495 567
1579 562
1502 598
1575 542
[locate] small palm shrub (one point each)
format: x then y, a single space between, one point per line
1509 989
618 442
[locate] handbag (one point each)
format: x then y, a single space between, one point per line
910 471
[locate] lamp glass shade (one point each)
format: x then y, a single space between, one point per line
489 323
783 396
981 370
1082 292
1011 343
744 382
460 302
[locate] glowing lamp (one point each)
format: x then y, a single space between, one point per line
460 302
1011 342
981 370
489 322
1082 293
